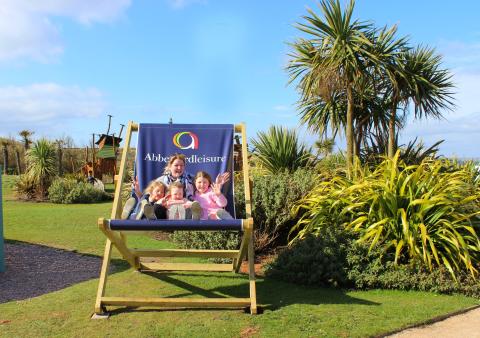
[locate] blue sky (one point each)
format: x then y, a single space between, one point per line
65 65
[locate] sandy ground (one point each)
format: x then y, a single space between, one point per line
464 325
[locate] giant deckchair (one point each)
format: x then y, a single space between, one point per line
189 140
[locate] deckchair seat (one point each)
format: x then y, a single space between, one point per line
149 225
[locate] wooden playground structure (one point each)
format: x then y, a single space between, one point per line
102 160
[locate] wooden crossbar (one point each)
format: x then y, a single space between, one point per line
177 302
118 239
185 253
185 267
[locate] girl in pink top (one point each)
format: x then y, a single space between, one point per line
209 195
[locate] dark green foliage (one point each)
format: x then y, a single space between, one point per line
334 258
273 197
373 270
316 260
69 191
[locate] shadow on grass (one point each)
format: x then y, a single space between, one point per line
271 294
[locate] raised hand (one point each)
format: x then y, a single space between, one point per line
222 179
136 187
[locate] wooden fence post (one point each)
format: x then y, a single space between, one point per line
2 256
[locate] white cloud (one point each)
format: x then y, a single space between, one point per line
459 129
461 55
281 108
48 107
179 4
27 31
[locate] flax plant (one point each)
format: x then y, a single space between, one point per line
425 213
41 164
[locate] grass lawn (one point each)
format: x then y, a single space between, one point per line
290 310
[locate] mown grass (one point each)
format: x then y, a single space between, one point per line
290 310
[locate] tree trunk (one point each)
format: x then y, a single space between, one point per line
60 160
349 130
391 132
5 160
19 168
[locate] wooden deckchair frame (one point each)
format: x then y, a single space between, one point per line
132 256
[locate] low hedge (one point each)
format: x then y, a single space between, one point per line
68 191
336 259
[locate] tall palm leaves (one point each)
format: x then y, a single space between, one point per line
279 149
415 75
331 60
354 77
41 165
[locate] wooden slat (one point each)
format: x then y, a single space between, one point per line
185 267
103 276
119 244
251 277
176 302
246 174
185 253
247 234
117 200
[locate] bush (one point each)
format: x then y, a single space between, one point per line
334 258
273 197
70 191
372 269
25 187
316 260
207 240
420 214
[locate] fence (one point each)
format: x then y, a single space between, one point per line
2 256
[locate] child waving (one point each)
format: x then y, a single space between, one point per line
210 197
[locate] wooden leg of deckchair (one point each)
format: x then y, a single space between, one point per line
243 251
102 283
251 277
119 244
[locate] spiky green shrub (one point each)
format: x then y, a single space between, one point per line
279 149
41 164
25 187
423 214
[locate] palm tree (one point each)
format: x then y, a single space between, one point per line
41 166
324 146
415 75
279 149
338 53
25 134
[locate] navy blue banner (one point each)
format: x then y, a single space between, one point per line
207 147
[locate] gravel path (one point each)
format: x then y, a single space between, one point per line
463 325
33 270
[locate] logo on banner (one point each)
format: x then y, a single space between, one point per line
185 140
